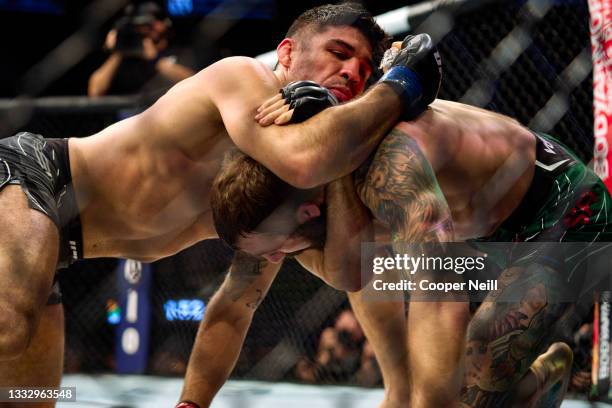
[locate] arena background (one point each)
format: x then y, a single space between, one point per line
527 59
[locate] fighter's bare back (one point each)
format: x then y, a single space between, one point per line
483 161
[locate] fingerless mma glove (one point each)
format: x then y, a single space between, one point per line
307 98
415 74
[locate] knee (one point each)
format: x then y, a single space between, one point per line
16 332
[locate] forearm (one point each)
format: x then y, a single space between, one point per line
334 142
349 224
226 322
101 79
215 352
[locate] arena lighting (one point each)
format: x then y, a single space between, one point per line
40 6
113 312
401 20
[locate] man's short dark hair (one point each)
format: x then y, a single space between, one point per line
344 14
244 193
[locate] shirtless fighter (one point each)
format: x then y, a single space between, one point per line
140 188
459 173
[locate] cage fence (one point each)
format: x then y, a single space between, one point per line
526 59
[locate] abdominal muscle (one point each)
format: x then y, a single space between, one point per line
140 202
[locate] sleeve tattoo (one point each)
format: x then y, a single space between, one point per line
400 188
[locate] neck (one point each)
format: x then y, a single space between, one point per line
282 75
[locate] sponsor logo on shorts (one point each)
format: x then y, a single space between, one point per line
548 147
550 167
581 214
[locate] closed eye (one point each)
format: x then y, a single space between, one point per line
340 54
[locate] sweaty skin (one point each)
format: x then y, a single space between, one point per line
457 172
479 163
446 140
483 164
142 184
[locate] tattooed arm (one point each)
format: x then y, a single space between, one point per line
400 188
226 321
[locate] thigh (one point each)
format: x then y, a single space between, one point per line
41 364
29 245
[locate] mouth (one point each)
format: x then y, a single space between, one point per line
343 94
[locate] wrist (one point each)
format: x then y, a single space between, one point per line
405 83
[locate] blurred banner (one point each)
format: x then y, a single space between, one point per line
601 347
134 282
601 44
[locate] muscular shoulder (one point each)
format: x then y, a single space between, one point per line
236 74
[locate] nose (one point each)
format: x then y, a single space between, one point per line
350 71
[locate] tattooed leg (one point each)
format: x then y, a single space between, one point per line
510 329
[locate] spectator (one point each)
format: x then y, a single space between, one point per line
583 358
170 358
338 355
139 55
369 374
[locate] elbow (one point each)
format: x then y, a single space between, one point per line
347 280
354 281
354 286
304 172
347 286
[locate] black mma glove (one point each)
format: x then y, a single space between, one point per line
415 74
307 98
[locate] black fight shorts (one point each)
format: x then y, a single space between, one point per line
41 167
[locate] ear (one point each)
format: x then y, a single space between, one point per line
307 211
283 52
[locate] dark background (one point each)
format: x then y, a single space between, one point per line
26 37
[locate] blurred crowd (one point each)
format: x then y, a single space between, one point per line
343 356
140 56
